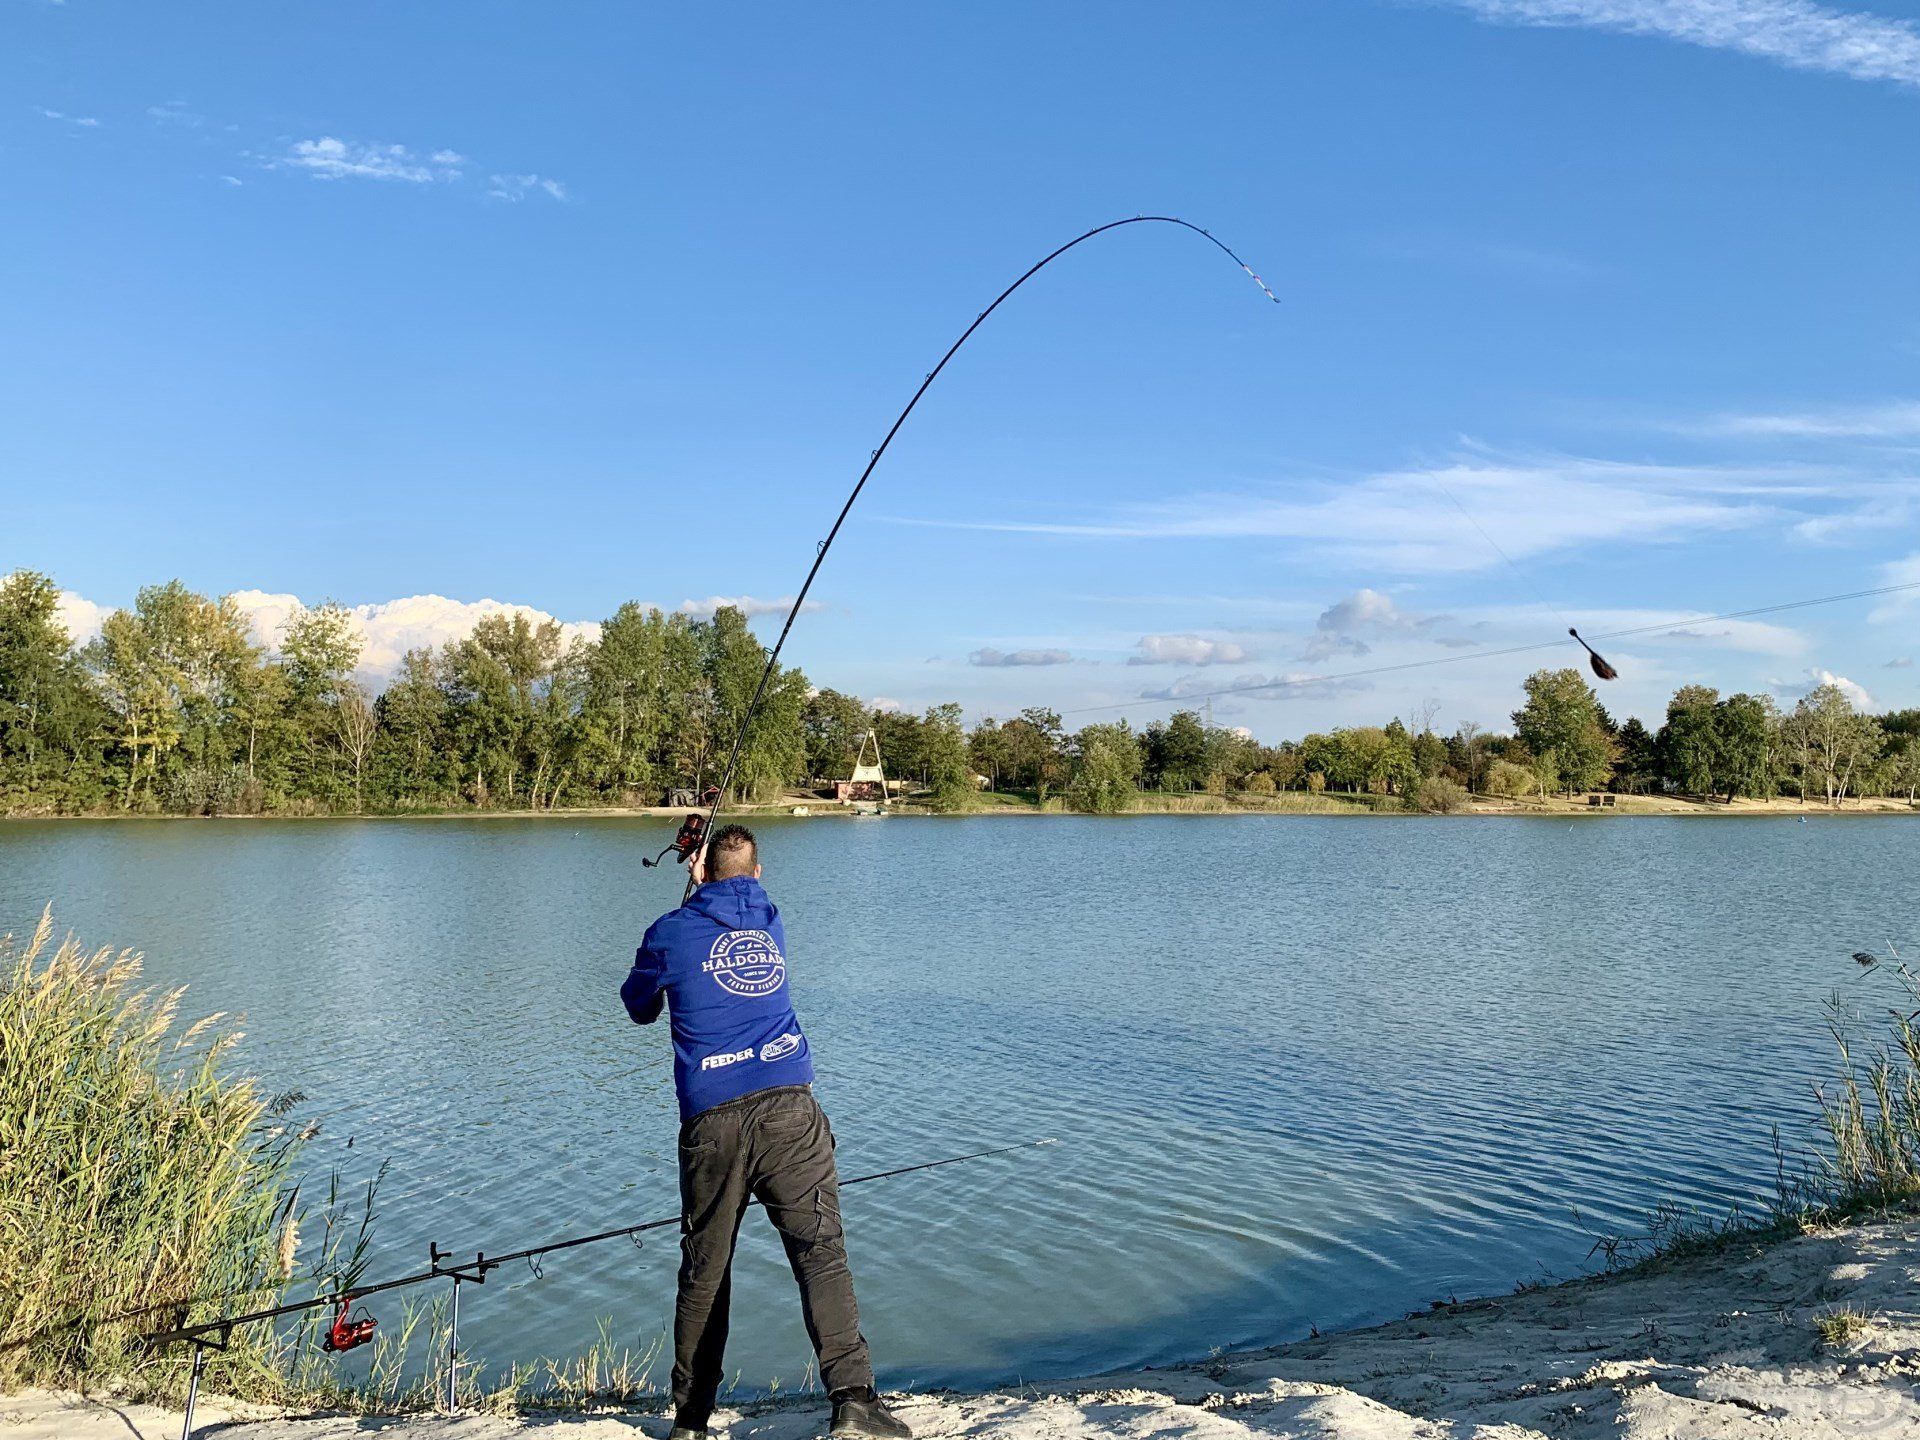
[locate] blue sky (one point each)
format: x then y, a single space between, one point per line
562 305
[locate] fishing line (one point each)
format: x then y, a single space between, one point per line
820 552
1463 657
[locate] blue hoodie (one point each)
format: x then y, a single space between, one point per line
720 962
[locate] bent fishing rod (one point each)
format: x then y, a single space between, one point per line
694 832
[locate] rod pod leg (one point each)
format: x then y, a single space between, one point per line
193 1389
453 1350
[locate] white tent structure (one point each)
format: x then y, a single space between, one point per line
869 779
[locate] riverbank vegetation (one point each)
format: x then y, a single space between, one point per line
177 708
136 1173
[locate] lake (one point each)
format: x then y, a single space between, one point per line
1303 1071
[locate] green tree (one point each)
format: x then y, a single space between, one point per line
1638 768
1176 753
413 740
1836 740
319 652
1689 743
50 716
1746 726
834 724
949 775
1106 769
1563 716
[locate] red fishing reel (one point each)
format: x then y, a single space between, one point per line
346 1332
686 844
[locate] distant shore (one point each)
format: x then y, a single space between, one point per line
1148 803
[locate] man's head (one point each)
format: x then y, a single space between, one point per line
731 852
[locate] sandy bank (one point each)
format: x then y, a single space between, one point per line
1711 1350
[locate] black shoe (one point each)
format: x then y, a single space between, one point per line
685 1429
861 1412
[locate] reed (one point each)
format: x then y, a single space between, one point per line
141 1184
1871 1110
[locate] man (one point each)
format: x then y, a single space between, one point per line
749 1129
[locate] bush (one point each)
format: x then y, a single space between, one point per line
1261 783
135 1176
1108 771
1437 795
1507 780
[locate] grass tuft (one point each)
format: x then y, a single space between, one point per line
140 1183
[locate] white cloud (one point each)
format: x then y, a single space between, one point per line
1855 692
391 628
1368 612
1187 650
747 605
329 158
1904 662
1795 33
516 188
992 658
886 704
1891 420
86 122
81 616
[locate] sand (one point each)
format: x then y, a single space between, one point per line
1719 1347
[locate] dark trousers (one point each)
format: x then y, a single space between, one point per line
774 1146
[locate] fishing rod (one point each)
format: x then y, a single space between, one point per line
695 829
348 1332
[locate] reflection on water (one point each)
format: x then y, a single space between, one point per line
1304 1071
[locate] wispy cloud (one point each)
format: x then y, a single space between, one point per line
329 158
1289 685
176 112
1874 519
1795 33
1186 650
747 605
1412 522
992 658
1902 608
85 122
515 188
1888 420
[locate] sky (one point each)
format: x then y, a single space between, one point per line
1600 313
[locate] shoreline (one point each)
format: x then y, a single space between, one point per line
1317 807
1813 1336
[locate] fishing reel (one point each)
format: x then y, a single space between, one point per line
686 844
346 1332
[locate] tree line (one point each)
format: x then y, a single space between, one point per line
175 707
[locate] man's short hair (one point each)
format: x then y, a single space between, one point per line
731 852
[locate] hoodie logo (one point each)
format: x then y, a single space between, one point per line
746 963
779 1048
